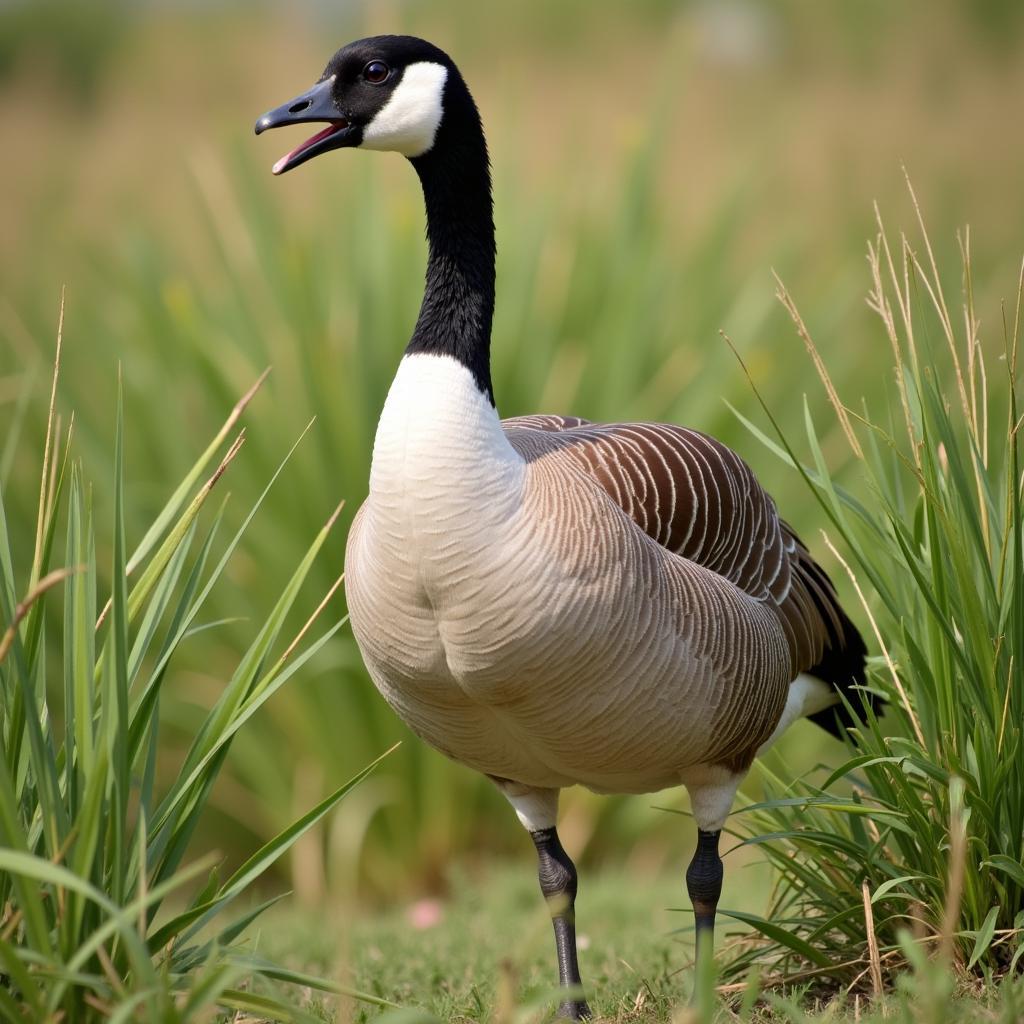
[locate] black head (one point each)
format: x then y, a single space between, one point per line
384 92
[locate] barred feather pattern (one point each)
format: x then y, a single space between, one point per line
698 499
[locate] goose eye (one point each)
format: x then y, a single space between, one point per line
376 72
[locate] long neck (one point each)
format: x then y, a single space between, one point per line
458 301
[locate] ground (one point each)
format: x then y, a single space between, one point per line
484 953
452 956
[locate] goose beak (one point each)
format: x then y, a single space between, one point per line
316 104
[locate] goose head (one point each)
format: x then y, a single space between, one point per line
384 93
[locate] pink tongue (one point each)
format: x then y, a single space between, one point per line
329 130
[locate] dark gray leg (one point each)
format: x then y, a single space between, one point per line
558 883
704 884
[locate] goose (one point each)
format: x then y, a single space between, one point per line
548 600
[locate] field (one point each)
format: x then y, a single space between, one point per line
654 164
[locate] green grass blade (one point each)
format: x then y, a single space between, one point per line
30 900
258 863
174 504
263 1007
779 934
984 938
116 674
271 970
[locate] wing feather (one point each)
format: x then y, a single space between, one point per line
698 499
684 489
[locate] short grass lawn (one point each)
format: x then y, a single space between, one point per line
485 953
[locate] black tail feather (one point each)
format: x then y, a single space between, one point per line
842 664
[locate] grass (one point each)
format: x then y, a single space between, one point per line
488 955
929 827
493 933
107 912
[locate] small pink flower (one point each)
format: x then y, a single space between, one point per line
424 914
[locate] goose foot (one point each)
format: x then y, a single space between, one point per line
574 1009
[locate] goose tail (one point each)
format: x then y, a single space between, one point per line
842 663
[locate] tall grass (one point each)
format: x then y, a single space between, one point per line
106 911
914 846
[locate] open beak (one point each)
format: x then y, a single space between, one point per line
316 104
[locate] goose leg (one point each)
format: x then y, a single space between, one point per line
712 790
537 810
557 875
704 886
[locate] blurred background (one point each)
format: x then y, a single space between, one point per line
654 161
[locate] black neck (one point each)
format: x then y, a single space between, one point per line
458 301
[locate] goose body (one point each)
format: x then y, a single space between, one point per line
539 627
550 601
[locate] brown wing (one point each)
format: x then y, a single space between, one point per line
700 500
687 491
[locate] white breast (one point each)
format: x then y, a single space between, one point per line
444 477
445 491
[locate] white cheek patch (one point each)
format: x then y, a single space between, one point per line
409 120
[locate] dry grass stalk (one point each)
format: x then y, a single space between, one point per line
878 302
900 290
833 396
968 403
976 384
196 504
226 428
10 922
1006 706
938 299
22 608
111 972
505 996
309 622
980 429
904 699
1016 324
869 926
957 865
976 376
45 476
784 980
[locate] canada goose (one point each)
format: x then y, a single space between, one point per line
548 600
